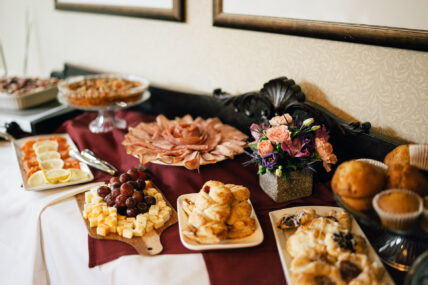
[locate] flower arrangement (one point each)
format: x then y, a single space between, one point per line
286 145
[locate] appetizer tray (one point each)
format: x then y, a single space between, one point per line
18 153
281 237
253 240
19 102
148 244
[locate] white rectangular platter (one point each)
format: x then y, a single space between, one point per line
18 143
281 237
253 240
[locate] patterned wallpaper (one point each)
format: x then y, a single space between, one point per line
385 86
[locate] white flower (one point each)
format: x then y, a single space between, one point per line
308 122
278 171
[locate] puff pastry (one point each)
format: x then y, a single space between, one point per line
218 212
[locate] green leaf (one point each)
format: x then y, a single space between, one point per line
262 170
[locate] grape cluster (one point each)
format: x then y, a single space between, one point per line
126 193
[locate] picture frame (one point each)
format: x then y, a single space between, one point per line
171 10
383 35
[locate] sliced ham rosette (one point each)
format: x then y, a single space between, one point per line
186 141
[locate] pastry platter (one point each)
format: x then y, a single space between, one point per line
281 237
254 239
19 158
148 244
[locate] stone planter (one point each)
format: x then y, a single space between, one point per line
298 185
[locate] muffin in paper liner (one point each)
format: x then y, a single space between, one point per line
398 221
377 163
419 155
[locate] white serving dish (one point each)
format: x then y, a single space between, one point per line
19 102
18 143
253 240
281 237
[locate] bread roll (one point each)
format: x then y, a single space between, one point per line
357 179
400 155
402 176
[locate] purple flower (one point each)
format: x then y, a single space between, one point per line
270 160
294 148
256 132
322 133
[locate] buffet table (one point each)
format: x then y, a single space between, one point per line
43 237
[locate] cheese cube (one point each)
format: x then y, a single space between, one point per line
138 232
97 199
100 219
149 226
158 223
119 230
112 210
154 210
102 230
128 225
128 233
102 204
164 214
158 196
130 220
149 184
150 191
88 197
110 221
141 220
121 218
161 204
88 207
93 222
105 210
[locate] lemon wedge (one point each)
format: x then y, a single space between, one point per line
48 155
46 143
54 176
37 179
45 148
49 164
78 174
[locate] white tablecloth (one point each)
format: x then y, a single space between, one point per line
54 248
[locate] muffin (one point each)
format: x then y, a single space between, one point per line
399 155
398 209
357 182
407 177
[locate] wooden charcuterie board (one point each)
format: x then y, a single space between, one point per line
148 244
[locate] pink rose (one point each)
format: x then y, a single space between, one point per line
264 148
281 120
325 151
278 134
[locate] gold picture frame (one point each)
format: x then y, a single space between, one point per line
358 33
175 13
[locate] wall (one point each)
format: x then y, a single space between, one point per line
386 86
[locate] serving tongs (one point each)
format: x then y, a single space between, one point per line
88 157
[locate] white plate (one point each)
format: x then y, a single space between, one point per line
18 143
282 236
181 163
254 239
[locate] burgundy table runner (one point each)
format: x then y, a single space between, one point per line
255 265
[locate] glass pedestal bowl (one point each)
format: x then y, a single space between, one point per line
104 93
106 119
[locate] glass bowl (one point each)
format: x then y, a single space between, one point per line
105 93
